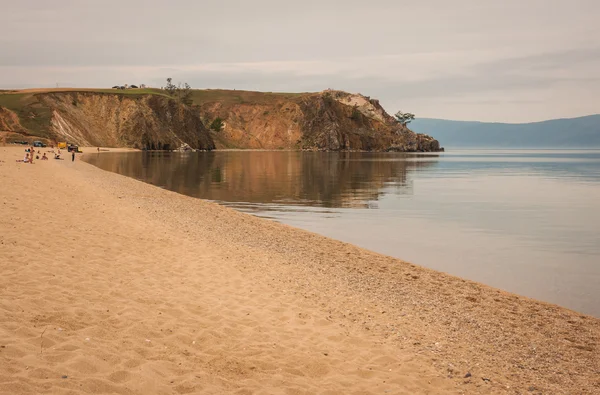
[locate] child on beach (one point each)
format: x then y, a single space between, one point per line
25 159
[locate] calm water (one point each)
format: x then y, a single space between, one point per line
524 221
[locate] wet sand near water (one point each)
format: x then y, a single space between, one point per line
110 285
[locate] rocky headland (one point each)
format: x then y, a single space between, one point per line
329 121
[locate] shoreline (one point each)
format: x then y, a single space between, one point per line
339 317
91 150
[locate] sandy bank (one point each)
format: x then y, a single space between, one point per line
122 287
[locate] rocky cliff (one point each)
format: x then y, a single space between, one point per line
328 120
107 120
9 121
146 122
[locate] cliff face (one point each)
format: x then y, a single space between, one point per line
337 120
12 130
9 121
111 120
330 120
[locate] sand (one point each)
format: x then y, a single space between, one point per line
110 285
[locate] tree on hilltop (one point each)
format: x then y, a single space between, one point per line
404 117
180 92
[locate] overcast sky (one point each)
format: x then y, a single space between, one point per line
491 60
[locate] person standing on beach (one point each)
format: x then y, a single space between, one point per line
72 156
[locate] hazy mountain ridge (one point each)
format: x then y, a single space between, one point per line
580 132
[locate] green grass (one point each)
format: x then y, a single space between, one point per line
15 101
33 115
126 92
227 97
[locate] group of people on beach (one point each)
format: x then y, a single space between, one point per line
30 153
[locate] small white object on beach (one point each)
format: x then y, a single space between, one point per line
87 339
147 340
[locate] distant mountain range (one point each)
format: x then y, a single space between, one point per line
582 132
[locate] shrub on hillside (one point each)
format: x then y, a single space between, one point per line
216 124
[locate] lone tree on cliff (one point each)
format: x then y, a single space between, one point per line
404 117
180 92
216 124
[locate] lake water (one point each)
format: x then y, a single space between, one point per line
520 220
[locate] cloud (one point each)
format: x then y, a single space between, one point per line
437 58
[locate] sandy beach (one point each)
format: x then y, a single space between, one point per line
112 286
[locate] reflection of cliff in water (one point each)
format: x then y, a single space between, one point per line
327 179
